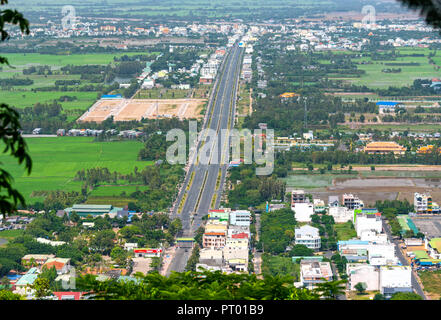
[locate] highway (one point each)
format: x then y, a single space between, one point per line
205 180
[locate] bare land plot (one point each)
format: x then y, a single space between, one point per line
136 109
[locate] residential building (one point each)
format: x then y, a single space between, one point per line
395 279
333 201
341 214
319 206
380 254
368 222
236 249
22 285
50 242
298 196
373 236
364 273
308 236
423 203
314 272
211 256
352 202
303 211
221 214
147 252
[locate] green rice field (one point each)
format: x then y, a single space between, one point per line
57 160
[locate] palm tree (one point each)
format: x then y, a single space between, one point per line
330 290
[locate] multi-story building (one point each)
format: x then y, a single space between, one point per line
352 202
308 236
313 272
240 218
341 214
367 222
423 203
298 196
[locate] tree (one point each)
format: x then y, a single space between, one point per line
41 287
331 289
406 296
10 127
379 296
119 255
8 295
360 287
300 250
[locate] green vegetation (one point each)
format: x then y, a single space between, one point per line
279 266
345 231
277 230
56 161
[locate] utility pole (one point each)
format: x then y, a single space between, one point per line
306 115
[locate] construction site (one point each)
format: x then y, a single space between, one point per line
138 109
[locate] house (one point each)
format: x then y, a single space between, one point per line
214 239
423 203
395 279
333 201
62 265
434 248
236 249
303 211
373 236
364 273
380 254
130 246
314 272
308 236
319 206
221 214
341 214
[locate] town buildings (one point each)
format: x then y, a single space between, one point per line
308 236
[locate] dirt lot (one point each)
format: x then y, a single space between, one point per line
136 109
398 168
430 225
141 265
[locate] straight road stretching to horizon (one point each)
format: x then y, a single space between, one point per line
205 184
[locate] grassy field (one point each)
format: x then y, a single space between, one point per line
345 231
11 234
315 180
375 78
432 283
56 161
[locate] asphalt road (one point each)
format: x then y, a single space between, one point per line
203 187
415 284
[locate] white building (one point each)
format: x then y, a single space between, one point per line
303 211
352 202
395 279
236 249
341 214
382 254
50 242
308 236
368 222
313 272
364 273
373 236
240 218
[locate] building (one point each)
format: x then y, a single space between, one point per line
368 222
333 201
308 236
214 239
352 202
240 218
22 285
395 279
68 295
83 210
147 252
298 196
36 259
341 214
364 273
303 211
314 272
319 206
211 257
221 214
384 147
50 242
423 203
236 249
380 254
62 265
373 236
387 106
